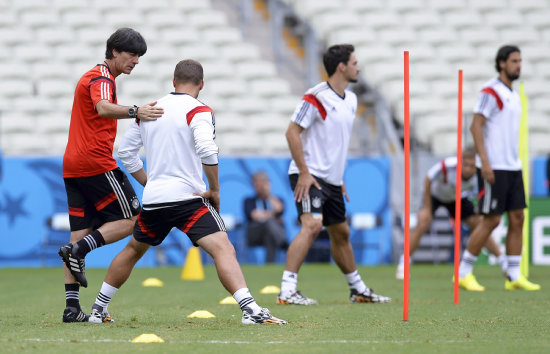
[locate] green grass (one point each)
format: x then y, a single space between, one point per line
32 301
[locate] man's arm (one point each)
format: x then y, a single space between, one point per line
427 197
128 152
479 142
147 112
305 179
213 192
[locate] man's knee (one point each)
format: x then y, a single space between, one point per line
516 218
491 221
311 225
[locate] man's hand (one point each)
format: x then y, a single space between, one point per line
213 197
345 192
487 173
150 112
305 180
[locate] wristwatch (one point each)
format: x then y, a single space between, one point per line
133 112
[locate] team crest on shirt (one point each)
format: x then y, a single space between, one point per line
135 203
316 202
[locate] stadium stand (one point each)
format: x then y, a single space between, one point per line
48 44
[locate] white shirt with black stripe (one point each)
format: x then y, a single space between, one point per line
501 106
442 176
176 146
327 119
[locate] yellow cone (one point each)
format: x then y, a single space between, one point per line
270 289
152 282
228 301
148 338
201 314
192 270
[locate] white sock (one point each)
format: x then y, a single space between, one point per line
245 299
503 263
105 295
513 267
290 281
355 281
402 261
467 264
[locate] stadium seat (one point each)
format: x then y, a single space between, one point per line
38 18
457 52
180 35
539 121
269 88
32 105
269 123
191 6
381 19
230 123
226 87
374 53
361 38
65 5
326 23
364 6
14 70
312 8
16 122
462 18
140 89
537 88
55 88
53 124
529 5
147 6
200 52
438 35
538 19
405 5
503 19
207 19
240 52
13 36
256 69
127 18
274 143
56 35
480 35
28 142
437 69
74 52
246 106
447 6
444 143
14 88
521 35
88 18
485 6
167 19
422 18
284 105
234 142
218 69
227 36
538 143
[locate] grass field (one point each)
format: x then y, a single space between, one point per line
32 301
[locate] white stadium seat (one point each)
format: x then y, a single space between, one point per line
222 36
447 6
240 52
255 69
364 6
207 19
166 18
381 19
225 87
503 19
55 88
180 35
269 88
15 88
328 22
39 18
462 18
82 19
444 143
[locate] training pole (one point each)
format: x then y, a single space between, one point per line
524 157
458 192
407 188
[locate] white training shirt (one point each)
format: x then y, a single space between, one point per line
176 146
502 108
327 120
443 181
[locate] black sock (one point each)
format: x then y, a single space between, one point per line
87 244
71 295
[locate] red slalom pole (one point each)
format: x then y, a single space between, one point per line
458 195
407 188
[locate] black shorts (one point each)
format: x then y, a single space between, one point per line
196 217
329 201
466 207
507 193
98 199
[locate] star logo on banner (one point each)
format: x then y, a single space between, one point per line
13 208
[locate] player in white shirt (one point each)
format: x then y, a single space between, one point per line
318 136
495 128
179 147
440 191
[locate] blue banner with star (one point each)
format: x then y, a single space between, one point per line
32 192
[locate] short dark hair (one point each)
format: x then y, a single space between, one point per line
503 54
189 70
336 54
125 40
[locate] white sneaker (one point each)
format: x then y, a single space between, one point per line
400 273
262 317
295 298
